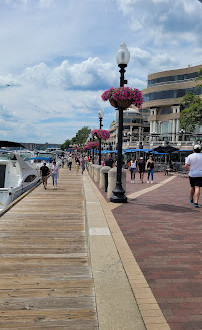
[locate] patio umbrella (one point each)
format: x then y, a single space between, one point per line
165 149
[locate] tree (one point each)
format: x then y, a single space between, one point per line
80 138
66 144
199 78
191 113
81 135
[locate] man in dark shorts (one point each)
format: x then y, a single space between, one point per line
141 168
193 163
44 171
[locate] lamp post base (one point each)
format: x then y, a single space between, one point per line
118 195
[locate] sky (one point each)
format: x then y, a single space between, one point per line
57 57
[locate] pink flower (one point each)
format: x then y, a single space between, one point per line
124 93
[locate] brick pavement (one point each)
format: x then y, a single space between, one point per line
163 232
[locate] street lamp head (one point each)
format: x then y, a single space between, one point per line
123 55
100 113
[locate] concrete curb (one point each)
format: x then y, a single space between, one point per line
150 311
116 305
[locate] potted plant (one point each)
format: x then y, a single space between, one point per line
123 97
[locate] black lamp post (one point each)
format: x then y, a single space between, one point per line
93 156
100 116
122 58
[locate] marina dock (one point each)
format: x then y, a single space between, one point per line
45 279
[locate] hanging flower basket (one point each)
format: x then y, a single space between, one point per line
101 134
92 145
123 97
124 104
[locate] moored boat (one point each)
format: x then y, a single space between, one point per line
16 177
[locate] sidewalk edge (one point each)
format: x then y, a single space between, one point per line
147 304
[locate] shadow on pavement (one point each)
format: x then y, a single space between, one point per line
170 208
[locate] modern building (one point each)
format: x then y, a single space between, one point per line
135 129
162 99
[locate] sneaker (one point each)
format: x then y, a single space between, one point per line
196 205
147 181
191 200
152 181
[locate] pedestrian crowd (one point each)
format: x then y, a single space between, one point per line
193 163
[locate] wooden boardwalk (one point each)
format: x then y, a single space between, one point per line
45 280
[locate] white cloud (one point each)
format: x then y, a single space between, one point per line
58 57
46 3
53 98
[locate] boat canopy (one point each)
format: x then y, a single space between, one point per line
40 158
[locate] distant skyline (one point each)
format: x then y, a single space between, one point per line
58 56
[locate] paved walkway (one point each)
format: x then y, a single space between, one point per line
163 231
143 269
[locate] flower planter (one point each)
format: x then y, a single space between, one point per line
123 97
123 104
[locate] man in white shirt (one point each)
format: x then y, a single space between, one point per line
193 163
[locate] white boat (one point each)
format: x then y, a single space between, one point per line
44 157
16 177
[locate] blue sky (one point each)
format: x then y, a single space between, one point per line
58 56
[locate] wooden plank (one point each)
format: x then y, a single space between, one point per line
45 279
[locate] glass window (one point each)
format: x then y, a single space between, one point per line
170 94
30 178
170 79
126 127
165 127
166 111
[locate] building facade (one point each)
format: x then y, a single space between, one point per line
162 99
135 129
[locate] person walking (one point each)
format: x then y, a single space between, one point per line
70 162
141 168
44 172
77 161
193 163
150 169
87 159
102 161
83 165
54 173
109 161
63 161
133 167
